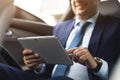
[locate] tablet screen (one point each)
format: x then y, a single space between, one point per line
49 48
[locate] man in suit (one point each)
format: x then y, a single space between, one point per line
95 57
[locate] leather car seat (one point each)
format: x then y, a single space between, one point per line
110 7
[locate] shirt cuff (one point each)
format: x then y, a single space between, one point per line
41 70
103 72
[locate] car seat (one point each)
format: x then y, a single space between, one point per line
110 7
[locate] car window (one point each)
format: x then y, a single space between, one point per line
119 1
49 11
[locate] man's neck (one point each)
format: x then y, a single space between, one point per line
86 17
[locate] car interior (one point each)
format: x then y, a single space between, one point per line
24 24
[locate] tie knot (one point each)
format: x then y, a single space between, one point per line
81 24
84 26
87 23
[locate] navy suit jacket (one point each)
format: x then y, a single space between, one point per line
104 42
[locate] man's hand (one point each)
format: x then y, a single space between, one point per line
83 56
31 59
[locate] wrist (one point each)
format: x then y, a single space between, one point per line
38 67
99 64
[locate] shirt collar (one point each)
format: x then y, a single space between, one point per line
92 19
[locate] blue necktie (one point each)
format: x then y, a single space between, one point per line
77 35
75 42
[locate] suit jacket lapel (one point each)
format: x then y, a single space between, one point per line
66 32
96 35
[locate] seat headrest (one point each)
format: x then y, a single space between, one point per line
110 7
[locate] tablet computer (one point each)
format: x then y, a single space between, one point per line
49 48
